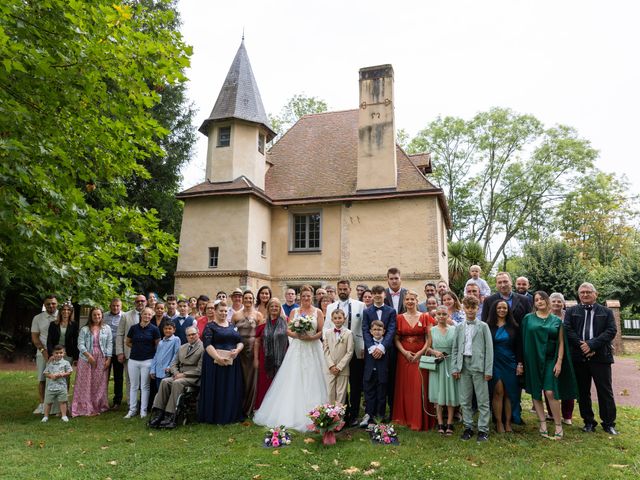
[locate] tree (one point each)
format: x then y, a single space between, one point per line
77 82
553 266
461 256
499 170
597 217
297 106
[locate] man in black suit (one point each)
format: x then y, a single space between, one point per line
387 315
590 330
394 295
520 305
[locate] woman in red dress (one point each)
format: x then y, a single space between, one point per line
412 384
269 348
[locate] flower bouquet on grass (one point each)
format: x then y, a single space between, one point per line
302 325
277 437
384 434
327 419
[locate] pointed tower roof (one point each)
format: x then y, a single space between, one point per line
239 96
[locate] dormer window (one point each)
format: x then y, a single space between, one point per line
224 136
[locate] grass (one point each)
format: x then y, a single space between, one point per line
110 447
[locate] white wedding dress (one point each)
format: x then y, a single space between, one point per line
297 388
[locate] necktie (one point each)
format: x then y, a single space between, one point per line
189 349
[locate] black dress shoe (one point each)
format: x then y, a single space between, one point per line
589 428
169 421
354 423
467 434
157 416
610 430
483 436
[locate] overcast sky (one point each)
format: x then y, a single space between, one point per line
563 61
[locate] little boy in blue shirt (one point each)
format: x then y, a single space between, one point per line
165 353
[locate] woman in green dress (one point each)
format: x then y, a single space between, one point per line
546 367
443 389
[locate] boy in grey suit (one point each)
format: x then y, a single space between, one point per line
472 366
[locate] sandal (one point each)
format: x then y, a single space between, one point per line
449 430
441 429
543 429
558 435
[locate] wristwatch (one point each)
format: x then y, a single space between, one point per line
41 349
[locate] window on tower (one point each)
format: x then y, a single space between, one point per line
305 232
224 136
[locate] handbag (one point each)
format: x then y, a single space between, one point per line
427 362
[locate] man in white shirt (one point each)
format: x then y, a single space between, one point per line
353 321
39 333
127 320
236 304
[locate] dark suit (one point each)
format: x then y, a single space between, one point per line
389 301
376 379
597 367
180 329
389 321
520 306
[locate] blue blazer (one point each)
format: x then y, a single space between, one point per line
180 329
381 365
389 320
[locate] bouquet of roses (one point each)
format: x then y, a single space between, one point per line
381 433
277 437
302 325
326 418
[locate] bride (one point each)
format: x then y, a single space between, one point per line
299 385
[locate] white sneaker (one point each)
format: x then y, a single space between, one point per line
130 415
45 419
365 420
65 419
39 409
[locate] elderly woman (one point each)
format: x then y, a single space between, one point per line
221 384
142 339
270 347
412 386
546 366
95 344
558 306
246 322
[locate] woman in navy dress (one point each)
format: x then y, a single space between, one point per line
221 385
504 388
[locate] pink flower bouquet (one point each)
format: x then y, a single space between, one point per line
277 437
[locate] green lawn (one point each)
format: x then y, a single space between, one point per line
111 447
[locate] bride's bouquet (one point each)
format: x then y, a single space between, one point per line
327 419
302 325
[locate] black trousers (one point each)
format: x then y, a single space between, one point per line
356 374
375 395
118 369
600 373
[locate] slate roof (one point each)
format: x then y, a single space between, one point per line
239 96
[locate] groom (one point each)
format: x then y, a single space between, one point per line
353 311
387 315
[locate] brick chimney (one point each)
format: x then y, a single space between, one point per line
377 167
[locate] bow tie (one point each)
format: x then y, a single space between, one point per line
395 294
378 308
337 330
471 323
588 308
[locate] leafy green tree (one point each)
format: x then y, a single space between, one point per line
461 256
553 266
78 81
297 106
597 217
499 171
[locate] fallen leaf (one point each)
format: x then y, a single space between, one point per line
104 447
304 450
315 467
257 477
41 444
262 465
246 424
624 393
351 470
309 440
474 464
375 464
335 461
614 465
29 443
80 464
184 439
112 462
151 434
231 440
276 452
371 471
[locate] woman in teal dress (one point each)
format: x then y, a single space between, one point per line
443 389
546 366
504 388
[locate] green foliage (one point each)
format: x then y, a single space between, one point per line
461 256
297 106
620 280
553 266
499 170
77 85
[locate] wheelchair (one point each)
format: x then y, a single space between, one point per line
187 406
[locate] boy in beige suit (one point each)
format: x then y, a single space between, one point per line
338 350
